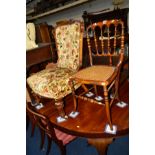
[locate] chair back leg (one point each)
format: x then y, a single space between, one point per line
42 133
33 124
49 144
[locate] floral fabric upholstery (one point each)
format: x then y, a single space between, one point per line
51 83
68 45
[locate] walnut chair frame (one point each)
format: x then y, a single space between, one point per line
69 50
104 39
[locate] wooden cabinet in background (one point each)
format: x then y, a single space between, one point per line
39 57
91 17
44 35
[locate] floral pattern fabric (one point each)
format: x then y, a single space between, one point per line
51 83
68 45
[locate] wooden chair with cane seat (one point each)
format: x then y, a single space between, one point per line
52 82
53 134
104 39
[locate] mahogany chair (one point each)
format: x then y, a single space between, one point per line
53 134
31 119
29 116
52 82
104 39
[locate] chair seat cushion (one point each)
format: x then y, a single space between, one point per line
64 137
51 82
98 73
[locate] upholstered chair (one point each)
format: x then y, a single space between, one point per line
52 82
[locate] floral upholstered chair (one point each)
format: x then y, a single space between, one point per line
52 82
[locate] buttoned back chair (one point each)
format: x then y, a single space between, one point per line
46 128
104 39
52 82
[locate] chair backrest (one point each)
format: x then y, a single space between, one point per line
69 41
30 36
41 121
106 39
44 124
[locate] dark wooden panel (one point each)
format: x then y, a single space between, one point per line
39 54
89 17
42 33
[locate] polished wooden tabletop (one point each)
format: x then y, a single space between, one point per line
91 121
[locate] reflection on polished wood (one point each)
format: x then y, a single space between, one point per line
91 121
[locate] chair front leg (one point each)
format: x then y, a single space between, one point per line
59 106
107 106
73 94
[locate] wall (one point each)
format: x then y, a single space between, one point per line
76 12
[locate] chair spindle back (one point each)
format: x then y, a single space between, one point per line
106 38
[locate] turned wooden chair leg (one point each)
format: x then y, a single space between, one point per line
107 107
84 88
59 106
49 145
95 89
74 96
117 93
117 87
42 133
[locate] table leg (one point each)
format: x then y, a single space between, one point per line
100 144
